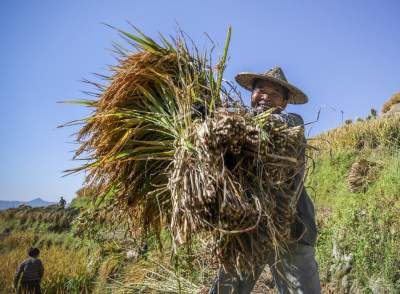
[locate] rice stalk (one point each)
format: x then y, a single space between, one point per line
154 276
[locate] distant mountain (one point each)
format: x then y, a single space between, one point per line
39 202
34 203
8 204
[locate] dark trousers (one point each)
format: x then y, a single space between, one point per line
31 287
296 272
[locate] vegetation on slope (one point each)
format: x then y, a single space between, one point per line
382 132
358 245
65 264
52 217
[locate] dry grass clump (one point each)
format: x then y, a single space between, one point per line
392 101
383 131
86 192
231 175
159 275
361 174
111 265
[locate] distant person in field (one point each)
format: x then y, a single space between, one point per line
297 270
32 272
62 202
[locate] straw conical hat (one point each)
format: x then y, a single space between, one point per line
276 75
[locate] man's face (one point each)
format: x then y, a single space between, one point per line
267 95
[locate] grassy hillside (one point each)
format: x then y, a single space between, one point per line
49 229
358 245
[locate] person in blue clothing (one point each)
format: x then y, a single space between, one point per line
297 270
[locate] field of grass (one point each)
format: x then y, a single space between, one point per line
65 265
358 244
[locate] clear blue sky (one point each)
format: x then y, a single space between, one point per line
342 54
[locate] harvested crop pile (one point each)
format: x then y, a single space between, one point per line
230 175
361 174
238 186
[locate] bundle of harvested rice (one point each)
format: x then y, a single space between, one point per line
231 175
239 186
138 119
361 174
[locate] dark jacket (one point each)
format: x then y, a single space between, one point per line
304 227
32 269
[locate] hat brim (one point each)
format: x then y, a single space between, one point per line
246 80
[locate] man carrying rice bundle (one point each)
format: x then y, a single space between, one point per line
235 177
295 271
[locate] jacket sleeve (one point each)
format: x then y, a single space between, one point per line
18 273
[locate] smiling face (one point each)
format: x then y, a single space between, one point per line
267 95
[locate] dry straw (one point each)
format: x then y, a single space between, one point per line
361 174
395 100
230 175
382 131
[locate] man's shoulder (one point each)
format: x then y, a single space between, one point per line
32 260
37 260
24 262
292 119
